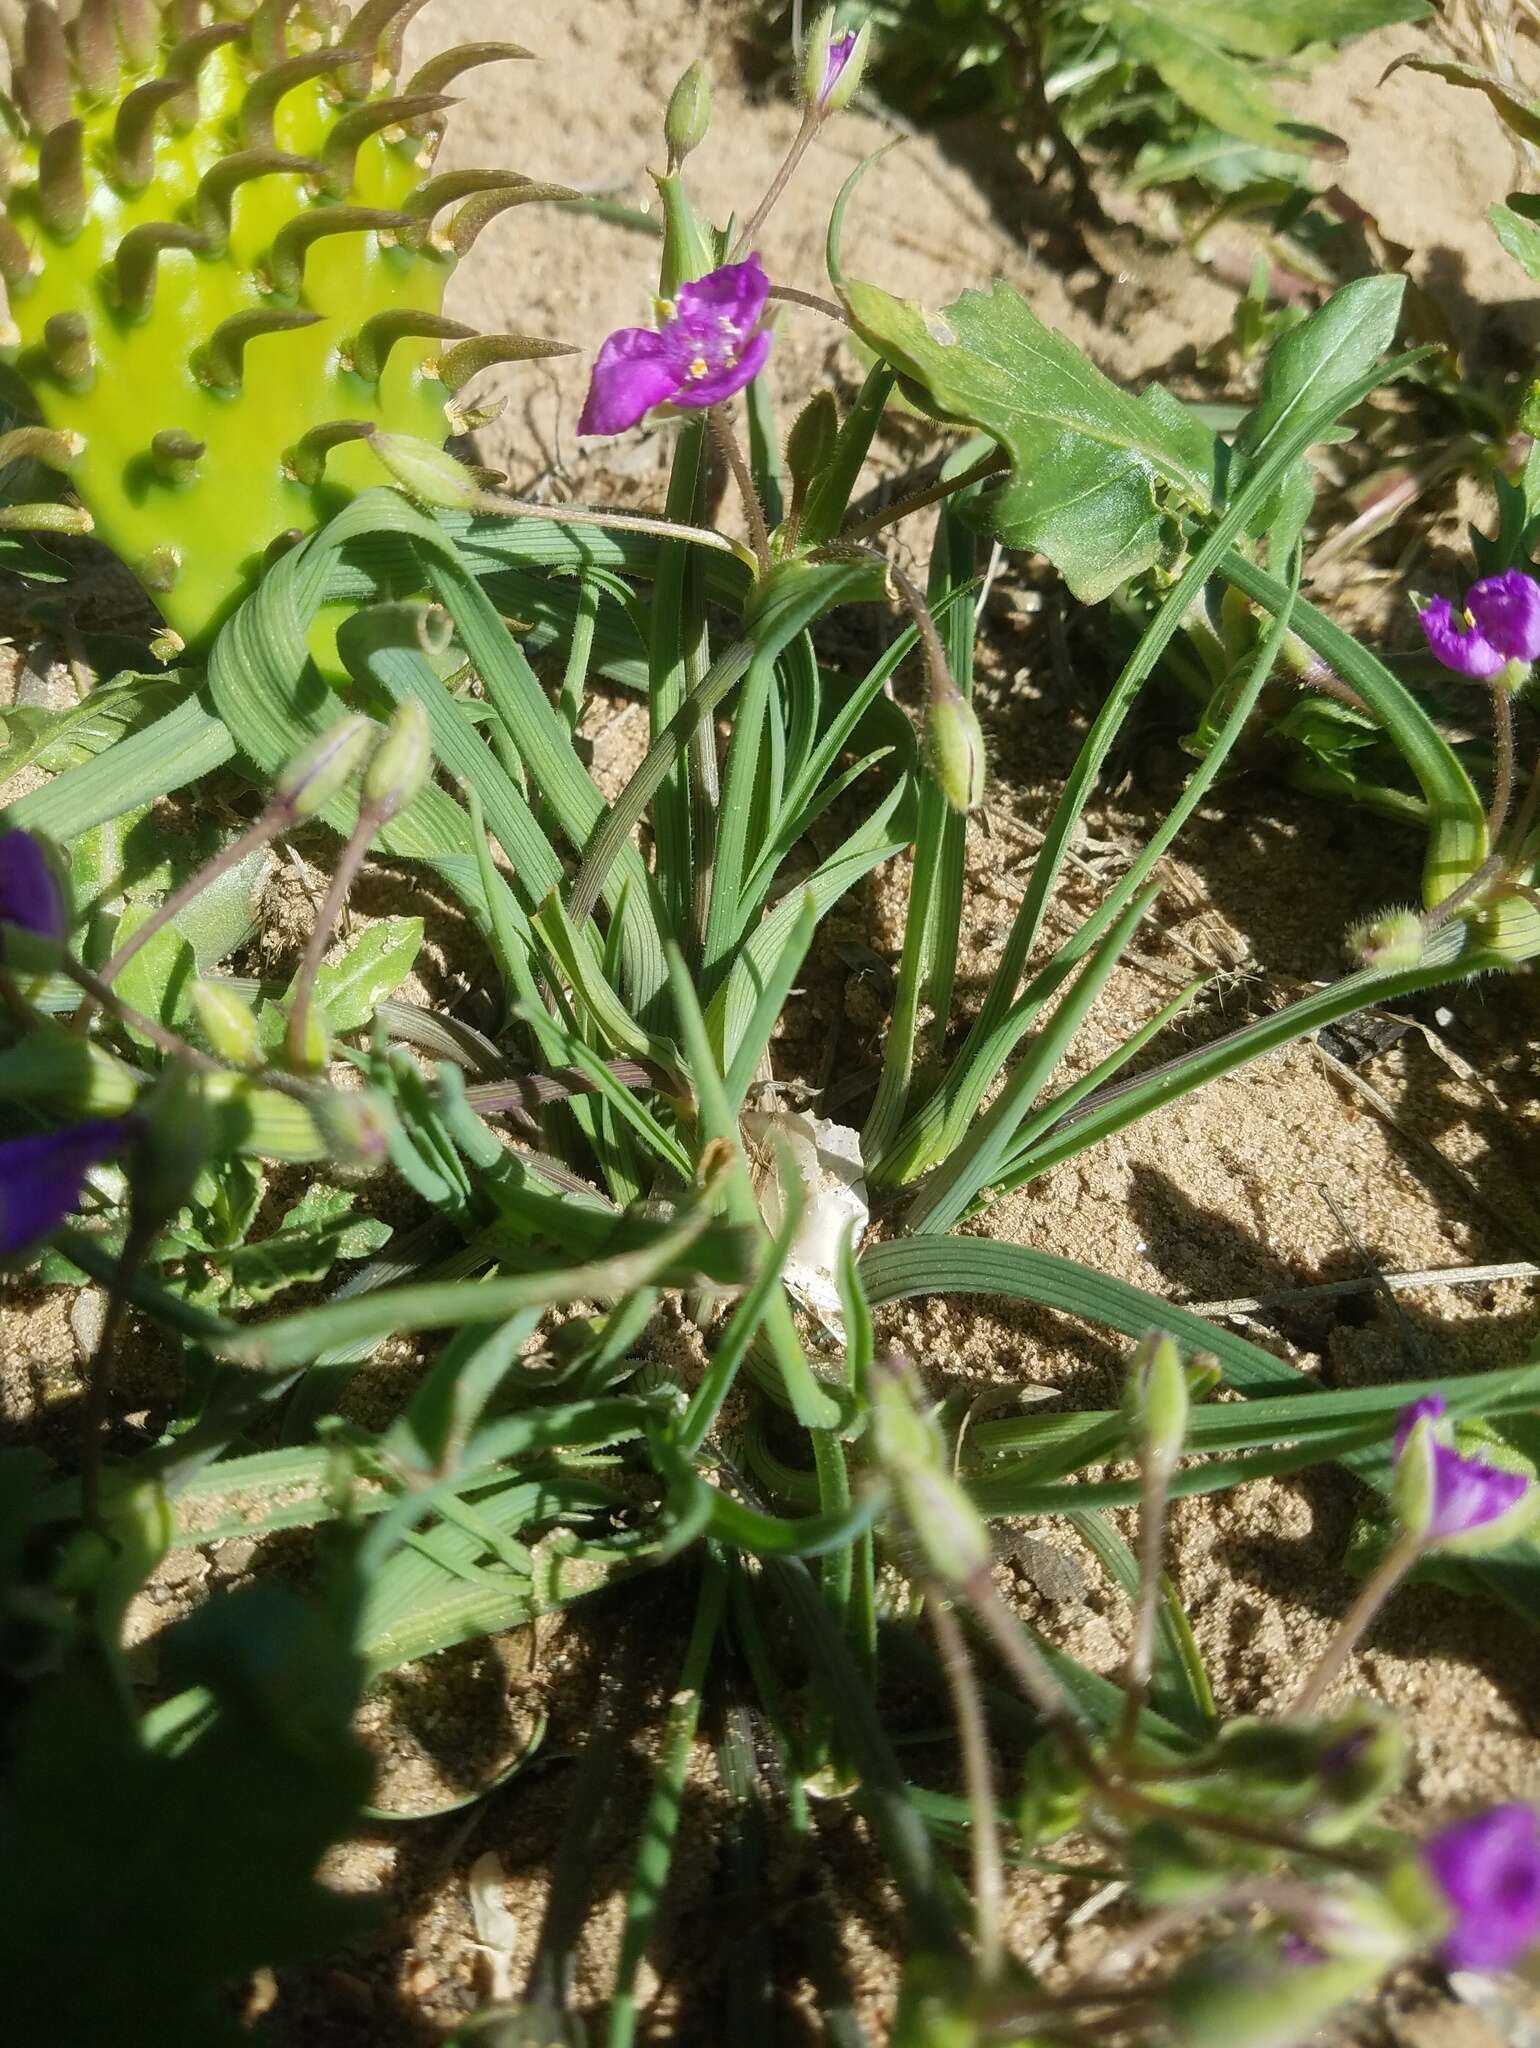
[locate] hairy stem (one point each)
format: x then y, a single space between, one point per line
1502 761
1376 1590
725 441
371 816
1154 1475
984 1834
274 821
778 184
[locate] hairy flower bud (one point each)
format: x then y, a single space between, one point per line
355 1125
227 1023
1156 1399
689 114
402 761
324 769
34 912
832 63
177 1131
431 475
954 746
1392 943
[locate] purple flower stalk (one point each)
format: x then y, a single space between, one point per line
841 50
710 345
30 897
1488 1869
40 1178
1467 1494
1500 624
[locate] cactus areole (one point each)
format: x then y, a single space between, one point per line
225 252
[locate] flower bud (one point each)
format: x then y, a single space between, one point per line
34 906
323 769
177 1132
227 1023
811 440
954 746
431 475
1156 1399
689 114
832 63
1392 943
355 1125
402 761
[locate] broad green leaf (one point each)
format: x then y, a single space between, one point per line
1279 28
351 989
1186 47
312 1237
1096 474
1520 237
158 980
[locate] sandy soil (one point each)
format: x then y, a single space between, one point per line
1291 1174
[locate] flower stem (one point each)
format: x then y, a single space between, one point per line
1376 1590
371 816
163 1039
790 294
984 1834
1033 1673
1154 1474
273 822
99 1372
725 441
778 184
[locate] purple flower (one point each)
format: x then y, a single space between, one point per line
710 345
1488 1868
1500 623
1466 1494
40 1178
30 896
841 50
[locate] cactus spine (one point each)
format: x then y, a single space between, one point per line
224 255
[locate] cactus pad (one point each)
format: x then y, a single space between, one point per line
225 252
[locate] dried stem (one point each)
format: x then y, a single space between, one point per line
978 1775
1376 1590
932 494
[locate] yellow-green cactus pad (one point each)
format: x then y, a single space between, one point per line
225 252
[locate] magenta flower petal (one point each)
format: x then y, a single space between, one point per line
730 300
40 1178
841 49
1467 1492
1464 649
1506 610
734 376
633 373
1488 1869
30 897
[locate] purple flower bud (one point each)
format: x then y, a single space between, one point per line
30 896
40 1178
1456 1495
1500 624
710 346
841 50
1488 1868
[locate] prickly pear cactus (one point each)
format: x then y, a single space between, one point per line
225 252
